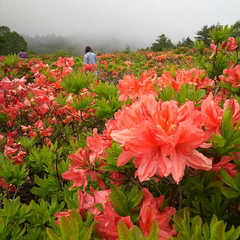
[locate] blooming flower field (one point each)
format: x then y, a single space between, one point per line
148 148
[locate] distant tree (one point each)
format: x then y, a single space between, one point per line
204 34
10 42
236 29
162 43
71 50
186 42
147 49
127 49
47 44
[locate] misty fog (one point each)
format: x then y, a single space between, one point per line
115 24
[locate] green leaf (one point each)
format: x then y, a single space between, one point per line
76 222
233 234
119 201
197 227
153 235
218 141
88 232
123 232
217 229
227 124
230 193
136 233
2 225
205 231
228 179
134 197
65 227
52 235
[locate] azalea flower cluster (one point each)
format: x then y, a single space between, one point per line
90 161
83 161
131 87
35 102
196 77
89 67
107 219
116 66
232 76
146 144
230 45
161 136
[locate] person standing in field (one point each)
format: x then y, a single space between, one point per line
90 59
22 54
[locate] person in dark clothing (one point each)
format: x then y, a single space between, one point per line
22 54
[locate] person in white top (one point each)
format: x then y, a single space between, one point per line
89 57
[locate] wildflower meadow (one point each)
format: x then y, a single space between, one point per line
146 148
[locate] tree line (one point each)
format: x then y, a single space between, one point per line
12 42
163 42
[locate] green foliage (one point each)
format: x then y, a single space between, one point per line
47 187
70 197
233 185
112 156
119 201
229 140
166 93
78 63
134 197
105 109
11 216
233 90
220 62
14 174
76 81
82 103
200 46
125 203
105 90
162 43
187 92
73 228
41 159
11 60
60 99
10 42
220 33
186 42
236 29
135 233
194 229
42 212
204 34
28 222
106 102
127 49
197 190
27 143
215 64
47 165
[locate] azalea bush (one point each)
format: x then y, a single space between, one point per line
148 148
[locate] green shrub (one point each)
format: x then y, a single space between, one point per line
76 81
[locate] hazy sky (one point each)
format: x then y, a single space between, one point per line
142 20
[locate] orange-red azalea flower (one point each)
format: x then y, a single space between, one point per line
162 137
